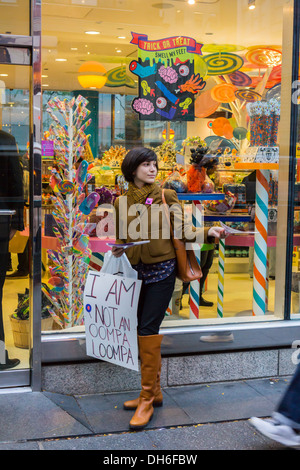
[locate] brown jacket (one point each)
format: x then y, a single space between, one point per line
160 247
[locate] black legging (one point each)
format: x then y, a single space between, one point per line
153 303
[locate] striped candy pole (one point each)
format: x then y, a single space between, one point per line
197 219
260 243
221 278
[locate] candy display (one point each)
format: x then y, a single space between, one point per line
114 156
223 206
264 122
69 262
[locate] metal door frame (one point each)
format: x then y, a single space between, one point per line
32 377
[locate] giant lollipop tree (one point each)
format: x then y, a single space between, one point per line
71 209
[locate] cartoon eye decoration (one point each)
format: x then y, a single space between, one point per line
161 102
184 70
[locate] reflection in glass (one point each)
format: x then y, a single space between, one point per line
14 195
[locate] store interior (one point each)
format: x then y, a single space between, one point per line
88 58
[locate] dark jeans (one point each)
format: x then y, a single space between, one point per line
289 406
4 241
153 303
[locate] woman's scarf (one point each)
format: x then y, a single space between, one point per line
139 195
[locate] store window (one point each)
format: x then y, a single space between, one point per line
14 17
14 227
124 71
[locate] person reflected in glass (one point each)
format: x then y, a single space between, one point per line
11 199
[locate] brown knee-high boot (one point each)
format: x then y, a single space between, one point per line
149 348
158 396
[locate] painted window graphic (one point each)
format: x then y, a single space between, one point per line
167 79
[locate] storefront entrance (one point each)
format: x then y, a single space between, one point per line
20 200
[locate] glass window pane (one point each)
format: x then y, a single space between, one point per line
14 195
14 17
235 111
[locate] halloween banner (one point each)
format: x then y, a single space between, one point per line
167 80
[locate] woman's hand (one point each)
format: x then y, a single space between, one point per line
217 232
117 252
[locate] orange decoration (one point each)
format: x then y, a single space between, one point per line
219 125
264 57
224 93
195 179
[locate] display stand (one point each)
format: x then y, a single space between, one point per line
260 282
198 221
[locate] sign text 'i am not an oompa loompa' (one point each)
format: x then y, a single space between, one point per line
110 310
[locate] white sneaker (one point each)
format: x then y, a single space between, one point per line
273 429
217 338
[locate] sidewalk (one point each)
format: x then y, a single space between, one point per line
199 417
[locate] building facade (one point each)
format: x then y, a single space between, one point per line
81 81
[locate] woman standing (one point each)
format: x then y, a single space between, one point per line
155 263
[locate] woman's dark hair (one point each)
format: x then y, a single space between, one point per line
134 158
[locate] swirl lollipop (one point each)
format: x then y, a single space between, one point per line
248 95
66 187
223 63
224 93
117 77
239 78
264 57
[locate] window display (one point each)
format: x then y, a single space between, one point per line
211 112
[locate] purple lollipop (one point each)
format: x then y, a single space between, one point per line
89 203
240 79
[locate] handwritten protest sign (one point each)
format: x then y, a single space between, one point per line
110 312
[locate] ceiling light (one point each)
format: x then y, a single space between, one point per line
3 75
61 60
92 32
118 50
251 4
191 2
44 76
45 84
74 48
121 37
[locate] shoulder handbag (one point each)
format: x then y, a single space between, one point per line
188 268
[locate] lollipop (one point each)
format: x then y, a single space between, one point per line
240 79
240 133
57 283
117 77
248 95
264 57
66 187
224 93
89 203
81 172
205 105
274 92
82 243
223 63
276 73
